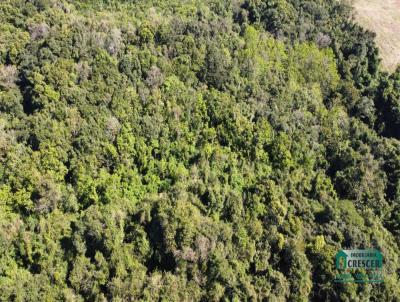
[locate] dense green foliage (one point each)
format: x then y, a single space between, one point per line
196 150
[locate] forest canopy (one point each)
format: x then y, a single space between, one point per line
196 150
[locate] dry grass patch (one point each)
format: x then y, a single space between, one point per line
382 17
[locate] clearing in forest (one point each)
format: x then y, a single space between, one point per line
382 17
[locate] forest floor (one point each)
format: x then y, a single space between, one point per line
382 17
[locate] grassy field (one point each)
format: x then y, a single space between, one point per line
382 17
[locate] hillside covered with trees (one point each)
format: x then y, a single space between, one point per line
195 150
